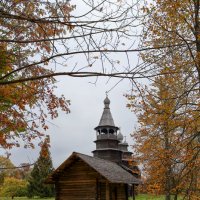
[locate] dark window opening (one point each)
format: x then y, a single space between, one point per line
111 131
105 131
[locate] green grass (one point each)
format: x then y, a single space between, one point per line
25 198
138 197
150 197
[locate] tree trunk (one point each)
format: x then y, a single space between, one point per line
197 31
168 167
133 194
167 196
167 186
176 196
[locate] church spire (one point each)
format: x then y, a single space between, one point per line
106 118
107 141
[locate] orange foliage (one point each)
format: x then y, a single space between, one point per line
25 106
166 138
21 107
168 111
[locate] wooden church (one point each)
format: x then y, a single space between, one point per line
108 175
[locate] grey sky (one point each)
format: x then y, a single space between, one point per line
75 131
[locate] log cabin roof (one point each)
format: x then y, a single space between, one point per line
111 171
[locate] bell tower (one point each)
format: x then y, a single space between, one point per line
107 143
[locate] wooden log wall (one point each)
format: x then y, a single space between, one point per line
78 182
101 189
121 192
112 191
81 182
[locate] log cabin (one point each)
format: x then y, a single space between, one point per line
107 175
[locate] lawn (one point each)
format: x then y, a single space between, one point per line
138 197
150 197
25 198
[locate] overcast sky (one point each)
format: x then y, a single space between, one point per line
75 131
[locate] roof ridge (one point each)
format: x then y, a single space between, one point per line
97 158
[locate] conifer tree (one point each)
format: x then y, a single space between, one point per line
42 168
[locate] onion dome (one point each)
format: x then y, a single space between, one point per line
106 102
125 142
120 136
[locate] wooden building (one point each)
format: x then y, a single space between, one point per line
83 177
106 176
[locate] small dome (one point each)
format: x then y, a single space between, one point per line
106 102
120 137
125 143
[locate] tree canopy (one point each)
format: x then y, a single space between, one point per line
13 187
5 169
42 39
165 143
167 138
172 27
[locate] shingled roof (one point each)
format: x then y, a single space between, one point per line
111 171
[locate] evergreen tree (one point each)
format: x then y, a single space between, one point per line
42 168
